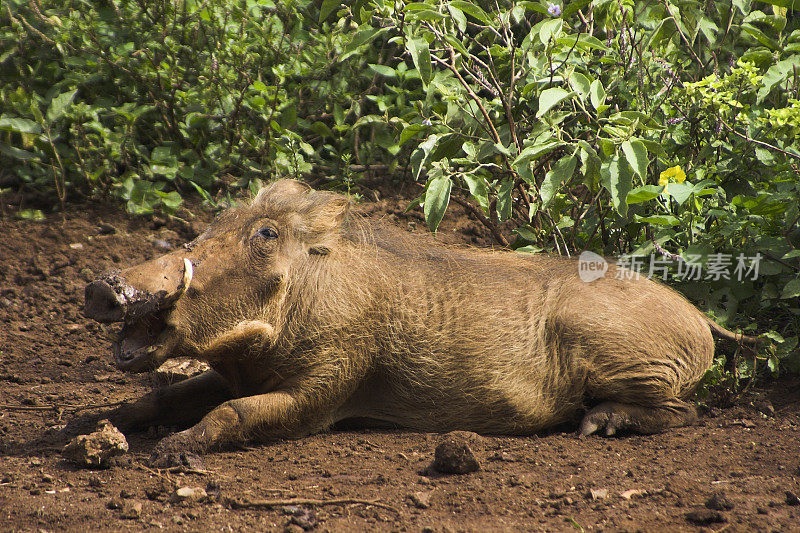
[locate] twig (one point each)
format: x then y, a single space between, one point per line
496 233
54 407
155 473
257 504
750 139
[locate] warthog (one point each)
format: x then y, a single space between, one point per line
309 314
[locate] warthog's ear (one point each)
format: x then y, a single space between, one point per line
323 221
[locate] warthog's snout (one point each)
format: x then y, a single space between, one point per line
114 299
139 297
105 304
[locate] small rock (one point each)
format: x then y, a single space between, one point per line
791 498
630 493
76 246
762 510
454 456
96 448
131 510
598 494
104 228
421 500
503 456
304 518
704 517
161 244
154 493
95 482
291 527
175 370
185 494
47 478
764 407
213 488
114 503
515 481
126 494
719 502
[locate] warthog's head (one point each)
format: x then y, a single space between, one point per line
236 271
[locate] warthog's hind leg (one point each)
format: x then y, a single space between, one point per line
178 405
612 418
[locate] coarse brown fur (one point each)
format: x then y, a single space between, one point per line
341 317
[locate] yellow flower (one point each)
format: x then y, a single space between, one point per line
672 174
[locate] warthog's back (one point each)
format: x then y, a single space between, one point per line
512 342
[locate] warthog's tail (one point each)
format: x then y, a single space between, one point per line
738 338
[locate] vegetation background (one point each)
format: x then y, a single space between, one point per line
663 127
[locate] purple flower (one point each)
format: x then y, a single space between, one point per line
554 10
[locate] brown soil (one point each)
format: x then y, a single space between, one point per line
52 360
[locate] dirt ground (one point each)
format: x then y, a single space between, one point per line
742 461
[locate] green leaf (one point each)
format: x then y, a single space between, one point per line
328 7
527 233
421 55
791 289
472 10
580 84
437 197
383 70
616 178
644 193
59 104
776 74
505 203
709 30
560 173
550 29
16 153
19 125
535 150
163 162
478 190
551 97
680 191
364 35
573 6
597 94
636 154
30 214
590 165
658 220
421 155
458 17
584 41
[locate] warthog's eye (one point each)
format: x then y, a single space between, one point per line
267 232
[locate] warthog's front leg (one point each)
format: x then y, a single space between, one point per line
271 415
180 404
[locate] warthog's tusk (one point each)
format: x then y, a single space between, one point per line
188 273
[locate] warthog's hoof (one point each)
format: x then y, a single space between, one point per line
613 418
606 416
178 450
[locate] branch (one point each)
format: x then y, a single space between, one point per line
261 504
491 226
74 408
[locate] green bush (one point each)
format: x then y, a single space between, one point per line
625 128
